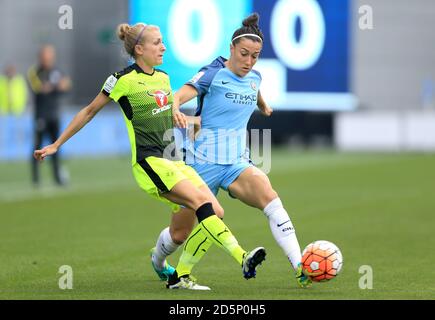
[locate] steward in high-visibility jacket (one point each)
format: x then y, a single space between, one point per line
13 94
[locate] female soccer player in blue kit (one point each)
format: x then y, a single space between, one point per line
227 92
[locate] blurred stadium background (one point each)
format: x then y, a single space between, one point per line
353 134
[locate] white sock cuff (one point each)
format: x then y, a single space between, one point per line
272 206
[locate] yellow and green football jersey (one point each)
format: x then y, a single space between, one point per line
146 101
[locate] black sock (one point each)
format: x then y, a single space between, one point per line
204 211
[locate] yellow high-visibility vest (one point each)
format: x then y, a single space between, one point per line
13 95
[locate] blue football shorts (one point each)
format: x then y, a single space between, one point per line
220 175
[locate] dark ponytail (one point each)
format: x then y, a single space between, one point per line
250 26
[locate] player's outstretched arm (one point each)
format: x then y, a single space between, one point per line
80 120
263 106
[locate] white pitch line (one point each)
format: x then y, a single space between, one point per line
10 195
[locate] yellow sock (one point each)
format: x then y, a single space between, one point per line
194 249
215 229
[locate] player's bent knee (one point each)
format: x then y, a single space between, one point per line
200 199
272 195
195 200
219 211
180 235
268 198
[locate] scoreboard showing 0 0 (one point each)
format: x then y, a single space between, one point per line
304 60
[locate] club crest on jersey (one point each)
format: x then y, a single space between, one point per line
253 86
161 98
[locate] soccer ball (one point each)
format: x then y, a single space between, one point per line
322 260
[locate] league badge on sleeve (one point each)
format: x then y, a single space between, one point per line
110 84
196 77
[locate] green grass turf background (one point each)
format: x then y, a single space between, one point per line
379 209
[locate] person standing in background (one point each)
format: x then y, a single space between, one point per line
47 83
13 102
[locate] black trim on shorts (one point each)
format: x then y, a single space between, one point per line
153 176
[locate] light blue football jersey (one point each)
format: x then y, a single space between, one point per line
225 104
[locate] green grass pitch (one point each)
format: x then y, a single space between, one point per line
378 208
